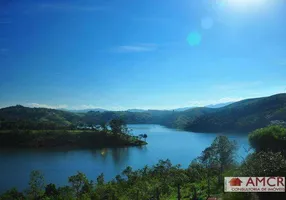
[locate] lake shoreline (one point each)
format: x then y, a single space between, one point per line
67 139
181 147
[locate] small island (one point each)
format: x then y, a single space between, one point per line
112 134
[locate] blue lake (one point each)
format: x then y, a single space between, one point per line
181 147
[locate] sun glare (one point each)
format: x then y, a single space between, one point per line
245 3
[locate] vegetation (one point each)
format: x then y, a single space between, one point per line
270 138
262 162
119 135
244 116
19 117
66 138
202 179
39 127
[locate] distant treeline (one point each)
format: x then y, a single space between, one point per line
119 135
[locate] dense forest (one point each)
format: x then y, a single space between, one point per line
165 181
116 136
244 116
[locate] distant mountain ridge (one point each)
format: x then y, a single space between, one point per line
145 110
87 110
136 110
245 115
219 105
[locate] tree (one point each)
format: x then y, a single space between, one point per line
208 159
36 185
78 182
100 179
271 138
128 172
144 136
119 179
87 187
12 194
91 126
265 164
103 126
196 171
51 190
224 151
117 126
65 192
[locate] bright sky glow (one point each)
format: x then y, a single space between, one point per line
242 6
246 2
245 5
161 54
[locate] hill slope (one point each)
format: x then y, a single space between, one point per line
244 115
36 118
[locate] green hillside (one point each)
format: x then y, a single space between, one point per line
245 115
20 117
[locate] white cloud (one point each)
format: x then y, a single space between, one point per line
90 106
212 102
37 105
83 107
117 108
142 47
229 99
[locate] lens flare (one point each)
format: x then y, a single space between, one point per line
194 38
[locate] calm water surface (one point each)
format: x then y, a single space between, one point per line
57 165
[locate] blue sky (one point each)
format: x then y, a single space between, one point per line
121 54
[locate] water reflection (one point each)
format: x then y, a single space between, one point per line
103 152
57 164
144 148
118 156
100 154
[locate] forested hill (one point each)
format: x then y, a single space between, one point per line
20 117
245 115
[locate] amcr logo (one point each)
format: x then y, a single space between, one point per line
265 181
